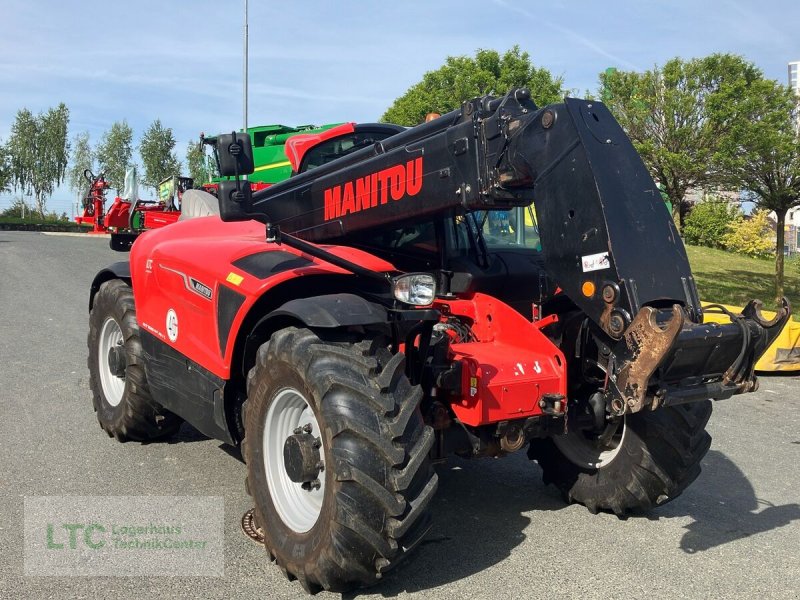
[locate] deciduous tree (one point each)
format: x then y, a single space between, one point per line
114 153
679 115
763 157
82 159
156 150
462 78
39 152
5 170
196 164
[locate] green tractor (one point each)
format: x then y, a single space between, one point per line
269 156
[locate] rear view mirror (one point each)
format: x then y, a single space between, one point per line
235 199
235 154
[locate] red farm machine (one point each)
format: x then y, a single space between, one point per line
505 277
128 215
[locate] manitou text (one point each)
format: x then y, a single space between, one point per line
397 182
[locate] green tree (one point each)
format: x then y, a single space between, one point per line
5 170
158 158
462 78
82 159
196 164
763 156
679 115
114 153
751 236
709 222
39 152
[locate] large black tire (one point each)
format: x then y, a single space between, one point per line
659 457
135 415
378 481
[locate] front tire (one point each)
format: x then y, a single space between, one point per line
648 462
120 395
365 503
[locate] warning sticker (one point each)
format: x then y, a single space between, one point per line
234 278
595 262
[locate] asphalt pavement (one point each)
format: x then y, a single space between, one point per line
498 531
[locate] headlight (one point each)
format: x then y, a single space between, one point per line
418 289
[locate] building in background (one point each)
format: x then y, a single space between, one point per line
793 216
794 84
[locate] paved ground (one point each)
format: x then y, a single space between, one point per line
498 531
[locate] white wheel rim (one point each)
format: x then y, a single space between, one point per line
110 337
582 449
297 507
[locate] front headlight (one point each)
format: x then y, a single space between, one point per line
418 289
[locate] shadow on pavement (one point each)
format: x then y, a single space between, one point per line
477 521
728 509
186 434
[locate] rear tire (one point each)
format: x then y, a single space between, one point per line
657 457
121 398
376 483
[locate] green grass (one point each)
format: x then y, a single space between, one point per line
735 279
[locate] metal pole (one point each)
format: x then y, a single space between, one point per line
244 111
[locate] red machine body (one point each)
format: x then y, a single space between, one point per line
510 367
506 371
298 145
118 217
94 203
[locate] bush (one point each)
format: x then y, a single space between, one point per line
751 236
709 222
793 264
18 208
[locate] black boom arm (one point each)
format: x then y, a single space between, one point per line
607 237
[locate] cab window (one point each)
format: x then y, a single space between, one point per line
507 229
330 150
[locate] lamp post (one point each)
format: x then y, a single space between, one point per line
244 91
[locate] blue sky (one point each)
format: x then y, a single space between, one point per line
321 62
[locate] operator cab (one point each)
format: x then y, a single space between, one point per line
492 252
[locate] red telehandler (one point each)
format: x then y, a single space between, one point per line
504 277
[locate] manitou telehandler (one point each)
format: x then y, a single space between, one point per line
502 277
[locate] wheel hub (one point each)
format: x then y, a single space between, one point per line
117 361
593 449
111 361
294 454
301 458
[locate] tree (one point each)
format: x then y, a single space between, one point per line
39 152
751 236
196 164
709 222
158 158
114 153
678 117
462 78
5 170
763 156
82 159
